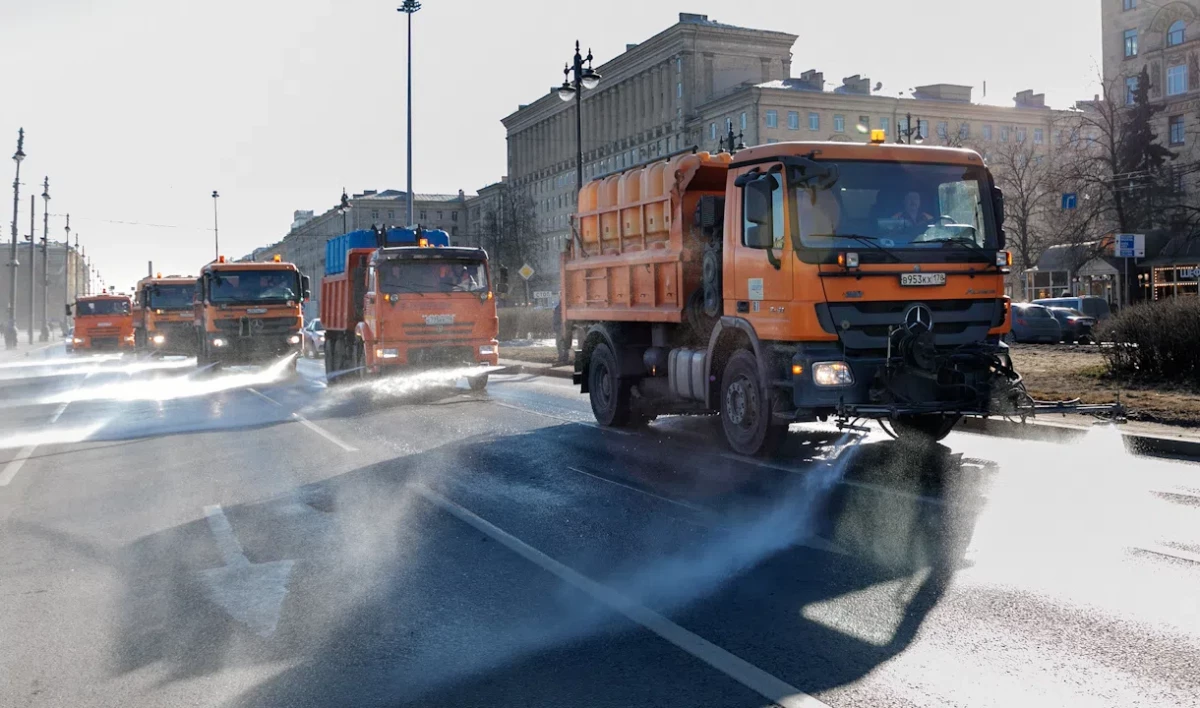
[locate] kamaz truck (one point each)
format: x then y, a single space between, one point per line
163 309
794 282
248 312
405 299
102 322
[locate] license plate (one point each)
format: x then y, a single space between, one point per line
439 319
922 278
256 311
104 324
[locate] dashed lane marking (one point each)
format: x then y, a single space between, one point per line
14 466
308 423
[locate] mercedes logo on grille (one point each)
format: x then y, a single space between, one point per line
918 319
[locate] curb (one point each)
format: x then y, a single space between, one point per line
525 367
1136 443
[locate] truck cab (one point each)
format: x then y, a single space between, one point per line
794 282
248 312
102 322
406 299
163 309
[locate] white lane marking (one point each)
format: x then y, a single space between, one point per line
308 423
1170 552
252 593
589 424
14 466
709 514
770 687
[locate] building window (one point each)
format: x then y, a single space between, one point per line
454 216
679 61
439 216
987 132
1021 135
742 121
943 129
1128 4
678 89
772 119
1177 132
453 230
864 124
885 124
1176 80
374 214
1175 33
772 141
793 120
923 128
422 217
712 131
814 121
1004 133
964 130
1039 136
1130 43
839 123
1131 85
391 214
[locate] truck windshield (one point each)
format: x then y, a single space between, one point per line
254 286
897 206
171 297
429 276
101 307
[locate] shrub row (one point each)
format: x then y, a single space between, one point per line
1155 342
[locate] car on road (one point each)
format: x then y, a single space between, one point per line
1034 323
313 344
69 339
1095 307
1076 326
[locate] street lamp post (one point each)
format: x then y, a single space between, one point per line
409 7
10 332
32 259
576 78
344 208
216 233
66 269
908 133
732 143
45 336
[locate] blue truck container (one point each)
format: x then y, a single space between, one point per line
338 247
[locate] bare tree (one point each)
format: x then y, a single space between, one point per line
510 230
1023 171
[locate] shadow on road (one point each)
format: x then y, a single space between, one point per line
394 602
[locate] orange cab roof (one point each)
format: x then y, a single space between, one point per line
166 281
250 265
885 152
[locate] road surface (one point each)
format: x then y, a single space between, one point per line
174 538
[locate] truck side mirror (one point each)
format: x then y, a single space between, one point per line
68 308
305 291
760 232
998 206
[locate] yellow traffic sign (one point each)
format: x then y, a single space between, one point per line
526 272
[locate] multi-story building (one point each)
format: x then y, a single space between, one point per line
689 84
76 274
1164 39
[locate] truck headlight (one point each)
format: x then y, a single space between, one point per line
77 340
387 353
832 373
487 349
218 342
159 339
294 339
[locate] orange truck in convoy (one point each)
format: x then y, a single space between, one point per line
162 314
400 299
102 322
248 312
795 282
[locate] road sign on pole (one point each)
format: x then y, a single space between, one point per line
1130 246
526 271
1069 200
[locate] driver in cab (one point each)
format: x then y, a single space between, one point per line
914 218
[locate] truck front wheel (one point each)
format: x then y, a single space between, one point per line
610 396
746 408
477 383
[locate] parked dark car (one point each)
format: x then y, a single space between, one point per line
1034 323
1095 307
313 344
1076 326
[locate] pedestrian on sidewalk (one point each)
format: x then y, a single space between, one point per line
562 340
10 336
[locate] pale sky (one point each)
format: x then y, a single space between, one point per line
138 109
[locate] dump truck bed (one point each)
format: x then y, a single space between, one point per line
634 258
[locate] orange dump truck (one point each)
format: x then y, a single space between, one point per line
102 322
248 312
162 314
794 282
401 299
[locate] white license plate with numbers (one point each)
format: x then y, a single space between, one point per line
922 278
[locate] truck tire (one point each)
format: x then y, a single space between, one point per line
477 383
609 394
330 350
932 427
746 408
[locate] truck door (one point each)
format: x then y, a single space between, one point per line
761 286
370 305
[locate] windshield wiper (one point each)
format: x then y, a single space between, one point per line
872 241
409 288
960 240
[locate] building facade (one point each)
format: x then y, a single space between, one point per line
689 84
65 284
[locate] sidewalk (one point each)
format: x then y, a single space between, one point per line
25 350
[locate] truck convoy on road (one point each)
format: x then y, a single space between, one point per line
794 282
163 309
248 312
395 299
102 322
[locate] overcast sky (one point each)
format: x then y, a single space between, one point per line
138 109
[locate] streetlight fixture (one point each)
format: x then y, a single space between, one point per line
216 233
10 332
908 132
409 8
577 78
732 143
67 269
344 208
45 335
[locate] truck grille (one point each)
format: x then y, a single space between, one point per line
955 322
174 331
441 355
454 330
254 326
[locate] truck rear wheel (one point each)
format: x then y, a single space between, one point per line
746 408
933 427
477 383
609 395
